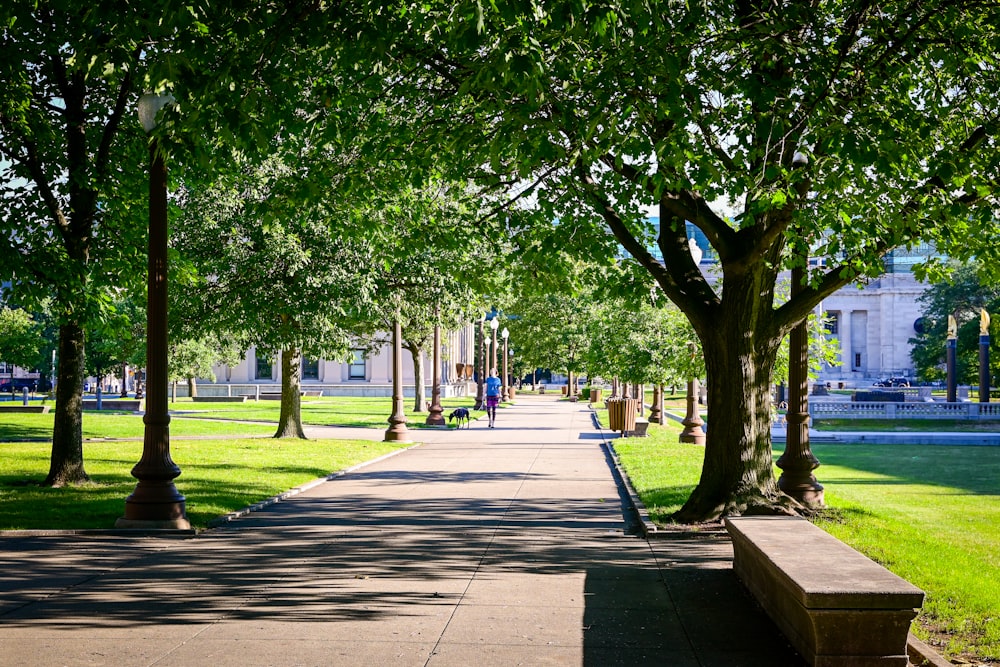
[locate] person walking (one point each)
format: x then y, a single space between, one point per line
493 385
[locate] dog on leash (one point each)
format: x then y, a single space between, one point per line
461 414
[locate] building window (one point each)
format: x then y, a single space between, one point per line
6 368
358 369
833 323
310 369
263 369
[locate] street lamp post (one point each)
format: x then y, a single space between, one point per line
494 325
505 392
480 360
436 412
693 431
155 502
797 461
397 431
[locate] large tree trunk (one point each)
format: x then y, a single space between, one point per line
192 387
66 465
290 419
419 389
738 474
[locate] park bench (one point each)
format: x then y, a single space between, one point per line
219 399
42 409
276 395
836 606
126 404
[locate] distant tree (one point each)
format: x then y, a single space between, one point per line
964 294
280 270
20 338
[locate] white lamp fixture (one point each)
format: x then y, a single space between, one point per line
149 107
494 324
505 333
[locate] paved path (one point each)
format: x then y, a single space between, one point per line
503 546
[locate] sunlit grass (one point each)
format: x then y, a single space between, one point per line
217 477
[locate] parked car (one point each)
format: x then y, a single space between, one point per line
893 382
14 385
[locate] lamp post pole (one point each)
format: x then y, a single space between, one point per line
155 502
505 392
480 359
797 462
436 412
397 431
494 325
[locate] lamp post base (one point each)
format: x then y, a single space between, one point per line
156 506
803 487
398 433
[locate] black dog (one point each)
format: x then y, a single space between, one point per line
461 414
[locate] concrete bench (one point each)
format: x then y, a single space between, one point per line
37 409
837 607
641 425
219 399
270 395
126 404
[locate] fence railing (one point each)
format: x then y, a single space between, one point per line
893 410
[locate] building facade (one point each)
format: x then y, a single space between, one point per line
362 375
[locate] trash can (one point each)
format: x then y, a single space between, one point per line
622 413
595 395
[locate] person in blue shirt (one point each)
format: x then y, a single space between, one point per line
493 385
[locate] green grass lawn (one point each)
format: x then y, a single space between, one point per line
217 477
196 419
317 411
913 425
230 465
930 514
100 425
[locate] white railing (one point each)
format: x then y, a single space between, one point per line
892 410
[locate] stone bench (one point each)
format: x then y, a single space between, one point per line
836 606
641 425
219 399
126 404
37 409
276 395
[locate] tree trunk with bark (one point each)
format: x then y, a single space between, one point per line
66 466
740 354
419 388
290 419
192 387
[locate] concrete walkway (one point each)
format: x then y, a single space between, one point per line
504 546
